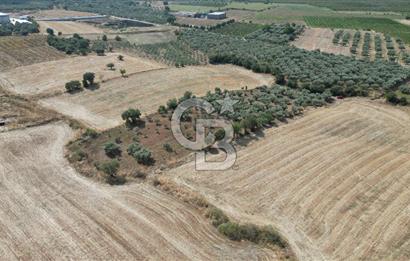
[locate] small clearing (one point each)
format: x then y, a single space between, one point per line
320 39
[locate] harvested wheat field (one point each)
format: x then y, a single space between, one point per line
69 27
50 212
59 13
146 91
336 183
17 51
320 39
52 76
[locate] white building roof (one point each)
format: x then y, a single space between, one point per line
3 14
20 21
217 13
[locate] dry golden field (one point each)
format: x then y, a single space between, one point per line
17 51
336 182
320 39
70 28
146 91
49 77
49 212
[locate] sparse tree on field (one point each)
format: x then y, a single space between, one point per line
131 116
118 38
73 86
123 72
110 66
104 38
112 150
88 79
50 31
120 58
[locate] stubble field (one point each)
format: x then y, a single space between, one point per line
70 28
50 212
146 91
335 182
49 77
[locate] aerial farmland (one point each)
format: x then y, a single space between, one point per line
205 130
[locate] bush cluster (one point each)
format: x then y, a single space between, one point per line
141 154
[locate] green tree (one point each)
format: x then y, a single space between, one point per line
111 66
88 79
120 57
73 86
123 72
50 31
172 104
104 38
131 116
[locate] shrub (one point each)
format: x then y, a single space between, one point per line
120 58
79 155
217 216
50 31
141 154
110 168
168 147
162 110
118 38
90 133
172 104
112 150
231 230
73 86
392 98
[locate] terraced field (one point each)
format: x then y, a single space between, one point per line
18 51
50 212
335 182
146 91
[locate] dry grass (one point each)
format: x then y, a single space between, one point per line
55 13
335 183
49 77
17 51
50 212
199 22
146 91
320 39
70 28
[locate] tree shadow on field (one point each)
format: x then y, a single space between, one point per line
247 139
93 87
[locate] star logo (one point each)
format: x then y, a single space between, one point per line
227 104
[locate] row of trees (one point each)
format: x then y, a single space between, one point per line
298 68
7 29
76 86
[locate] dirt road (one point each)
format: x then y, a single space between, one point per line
49 212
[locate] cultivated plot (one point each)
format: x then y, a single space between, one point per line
335 182
49 77
50 212
146 91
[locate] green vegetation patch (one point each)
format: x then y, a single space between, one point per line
239 29
383 25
